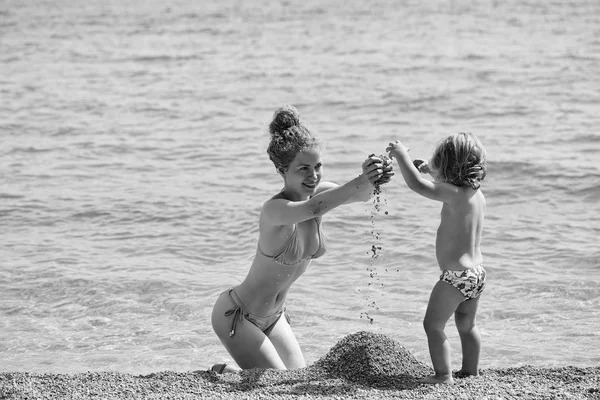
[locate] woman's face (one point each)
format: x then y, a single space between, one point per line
304 173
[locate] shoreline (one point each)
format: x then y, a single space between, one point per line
361 366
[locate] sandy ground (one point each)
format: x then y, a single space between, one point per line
360 366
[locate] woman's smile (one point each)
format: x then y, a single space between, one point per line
311 185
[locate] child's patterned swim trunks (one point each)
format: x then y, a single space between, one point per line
470 282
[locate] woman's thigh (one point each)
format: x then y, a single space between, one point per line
286 344
249 346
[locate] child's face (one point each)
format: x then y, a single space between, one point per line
305 172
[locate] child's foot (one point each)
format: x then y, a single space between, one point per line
435 379
464 374
224 368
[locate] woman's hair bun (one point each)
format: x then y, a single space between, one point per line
284 118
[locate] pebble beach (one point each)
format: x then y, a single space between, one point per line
360 366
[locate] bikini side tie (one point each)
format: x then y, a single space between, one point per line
237 314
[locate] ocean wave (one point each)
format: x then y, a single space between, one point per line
579 57
585 137
11 196
33 150
92 214
590 194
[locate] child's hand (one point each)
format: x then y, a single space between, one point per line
422 165
395 147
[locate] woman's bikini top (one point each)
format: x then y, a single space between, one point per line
291 252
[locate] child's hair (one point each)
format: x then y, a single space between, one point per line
460 160
288 137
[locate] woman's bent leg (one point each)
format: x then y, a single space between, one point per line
248 346
286 344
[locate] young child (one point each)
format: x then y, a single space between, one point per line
458 167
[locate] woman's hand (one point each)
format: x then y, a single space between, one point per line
372 168
388 171
378 169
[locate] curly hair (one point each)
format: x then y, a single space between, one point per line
288 137
460 160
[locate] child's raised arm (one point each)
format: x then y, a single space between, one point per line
439 191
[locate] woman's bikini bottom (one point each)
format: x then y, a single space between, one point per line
240 312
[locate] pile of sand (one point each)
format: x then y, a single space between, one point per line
373 359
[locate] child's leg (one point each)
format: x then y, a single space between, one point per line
443 302
470 337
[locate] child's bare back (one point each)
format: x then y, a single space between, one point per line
459 234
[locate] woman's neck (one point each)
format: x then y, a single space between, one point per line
292 196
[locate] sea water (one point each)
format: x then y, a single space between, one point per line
133 168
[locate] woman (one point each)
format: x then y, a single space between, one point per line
250 318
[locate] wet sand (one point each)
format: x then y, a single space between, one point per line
361 366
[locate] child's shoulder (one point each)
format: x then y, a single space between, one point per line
467 195
476 197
